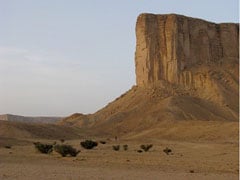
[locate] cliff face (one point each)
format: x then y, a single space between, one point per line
186 69
170 46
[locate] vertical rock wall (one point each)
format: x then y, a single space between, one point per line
170 46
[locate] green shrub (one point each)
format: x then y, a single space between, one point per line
125 147
88 144
43 148
146 147
64 150
116 148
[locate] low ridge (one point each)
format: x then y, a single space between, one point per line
35 119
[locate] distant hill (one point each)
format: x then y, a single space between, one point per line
40 119
21 130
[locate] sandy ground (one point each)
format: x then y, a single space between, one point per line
207 160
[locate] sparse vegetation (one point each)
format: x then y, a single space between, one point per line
62 140
116 147
167 150
65 150
139 151
125 147
43 148
8 147
102 142
88 144
146 147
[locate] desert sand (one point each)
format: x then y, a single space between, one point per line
205 155
206 160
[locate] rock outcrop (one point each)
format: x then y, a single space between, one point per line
169 46
186 69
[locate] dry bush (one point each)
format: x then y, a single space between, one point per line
43 148
125 147
65 150
146 147
88 144
116 147
8 147
167 150
102 142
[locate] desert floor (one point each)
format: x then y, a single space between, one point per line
205 160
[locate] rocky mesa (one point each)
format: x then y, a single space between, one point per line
191 53
169 46
186 70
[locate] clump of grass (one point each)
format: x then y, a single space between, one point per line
65 150
125 147
146 147
139 151
88 144
43 148
62 140
116 147
167 150
8 147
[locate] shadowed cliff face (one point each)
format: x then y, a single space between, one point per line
169 46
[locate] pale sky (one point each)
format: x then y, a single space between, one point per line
58 57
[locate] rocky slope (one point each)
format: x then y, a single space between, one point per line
186 69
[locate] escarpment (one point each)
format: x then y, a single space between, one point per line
186 69
169 46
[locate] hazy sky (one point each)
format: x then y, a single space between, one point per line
58 57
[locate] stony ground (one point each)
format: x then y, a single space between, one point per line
189 160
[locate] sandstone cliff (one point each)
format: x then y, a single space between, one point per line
186 69
191 53
168 46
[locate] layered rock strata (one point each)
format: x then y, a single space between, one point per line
170 46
